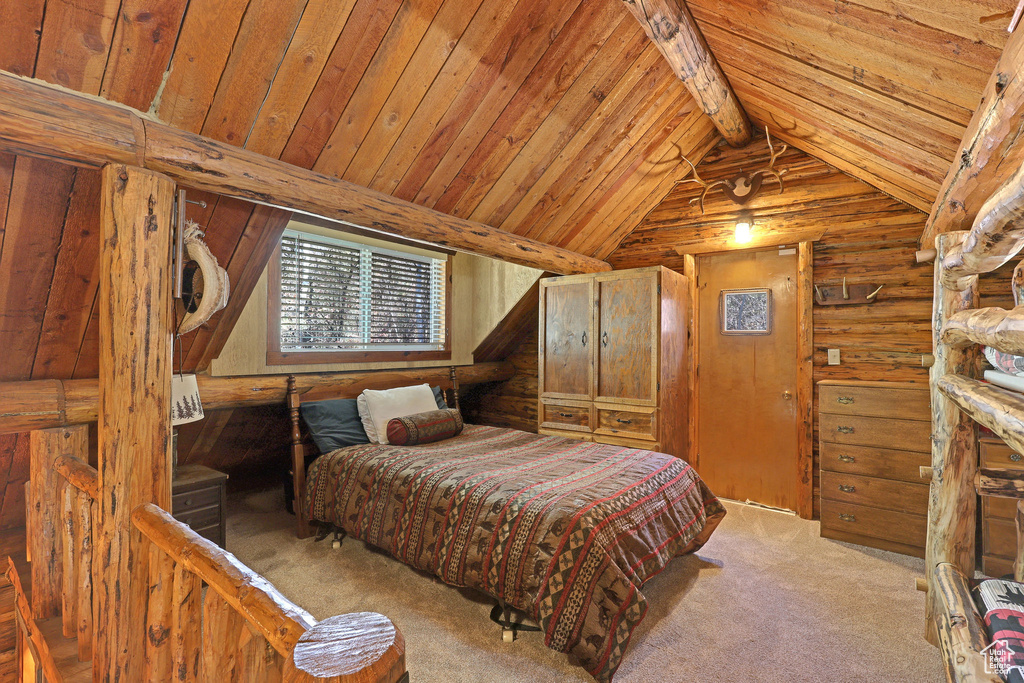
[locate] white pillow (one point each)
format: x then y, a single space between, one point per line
376 408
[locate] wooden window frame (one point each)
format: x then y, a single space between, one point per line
275 356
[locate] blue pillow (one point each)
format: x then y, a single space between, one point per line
336 423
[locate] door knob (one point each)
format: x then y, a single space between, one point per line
787 394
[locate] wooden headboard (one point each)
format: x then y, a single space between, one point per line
303 450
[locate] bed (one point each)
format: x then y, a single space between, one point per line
566 531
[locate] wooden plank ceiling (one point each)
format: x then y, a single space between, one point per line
881 89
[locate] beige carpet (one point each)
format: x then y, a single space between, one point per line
765 600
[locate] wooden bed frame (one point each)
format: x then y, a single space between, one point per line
303 450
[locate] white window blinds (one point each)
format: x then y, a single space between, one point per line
343 296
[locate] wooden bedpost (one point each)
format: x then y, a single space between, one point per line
298 463
134 422
455 385
952 502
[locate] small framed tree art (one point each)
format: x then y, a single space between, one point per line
746 311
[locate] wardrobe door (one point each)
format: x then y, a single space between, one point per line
627 326
567 338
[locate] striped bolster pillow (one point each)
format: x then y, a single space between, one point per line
428 427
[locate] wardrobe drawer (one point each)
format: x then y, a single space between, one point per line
198 498
567 416
861 520
880 493
872 461
907 404
999 537
579 436
996 454
641 444
908 435
1001 508
626 423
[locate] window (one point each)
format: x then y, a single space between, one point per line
335 300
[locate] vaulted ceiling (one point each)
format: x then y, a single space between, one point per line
556 120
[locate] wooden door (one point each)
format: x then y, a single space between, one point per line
627 327
567 338
747 413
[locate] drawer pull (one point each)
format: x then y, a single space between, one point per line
1015 457
844 430
845 400
847 518
584 339
187 502
846 488
625 422
566 414
847 458
604 340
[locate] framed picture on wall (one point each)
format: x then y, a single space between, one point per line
746 311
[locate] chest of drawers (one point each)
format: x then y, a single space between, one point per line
998 530
198 499
873 438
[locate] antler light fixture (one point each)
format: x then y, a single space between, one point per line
742 188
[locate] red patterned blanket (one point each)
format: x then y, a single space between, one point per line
564 530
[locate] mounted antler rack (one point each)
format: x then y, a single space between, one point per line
742 188
843 295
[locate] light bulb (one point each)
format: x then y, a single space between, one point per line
742 233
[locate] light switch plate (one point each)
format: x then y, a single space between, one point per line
833 356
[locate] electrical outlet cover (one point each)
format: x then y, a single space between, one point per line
833 356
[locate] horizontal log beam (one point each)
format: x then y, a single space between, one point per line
41 120
42 404
996 236
671 27
992 147
1001 410
996 327
1001 483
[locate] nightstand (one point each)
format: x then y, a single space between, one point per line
198 499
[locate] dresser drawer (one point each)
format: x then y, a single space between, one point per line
872 461
202 517
999 537
566 416
1001 508
908 404
997 454
908 435
879 493
626 423
861 520
190 500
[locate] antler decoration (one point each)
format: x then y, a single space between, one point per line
743 188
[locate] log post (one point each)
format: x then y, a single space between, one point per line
361 646
70 563
134 406
44 534
222 638
83 541
158 615
670 26
1018 563
952 501
186 612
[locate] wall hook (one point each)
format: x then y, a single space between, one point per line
846 292
872 295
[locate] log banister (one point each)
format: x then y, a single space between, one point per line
279 620
79 474
44 404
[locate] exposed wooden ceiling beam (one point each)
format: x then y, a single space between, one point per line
671 26
41 120
991 151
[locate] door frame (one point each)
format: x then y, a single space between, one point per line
804 369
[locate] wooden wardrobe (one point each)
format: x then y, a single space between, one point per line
613 361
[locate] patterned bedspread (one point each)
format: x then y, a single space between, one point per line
564 530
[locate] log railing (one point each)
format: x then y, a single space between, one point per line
250 632
77 492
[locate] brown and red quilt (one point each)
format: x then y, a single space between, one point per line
564 530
